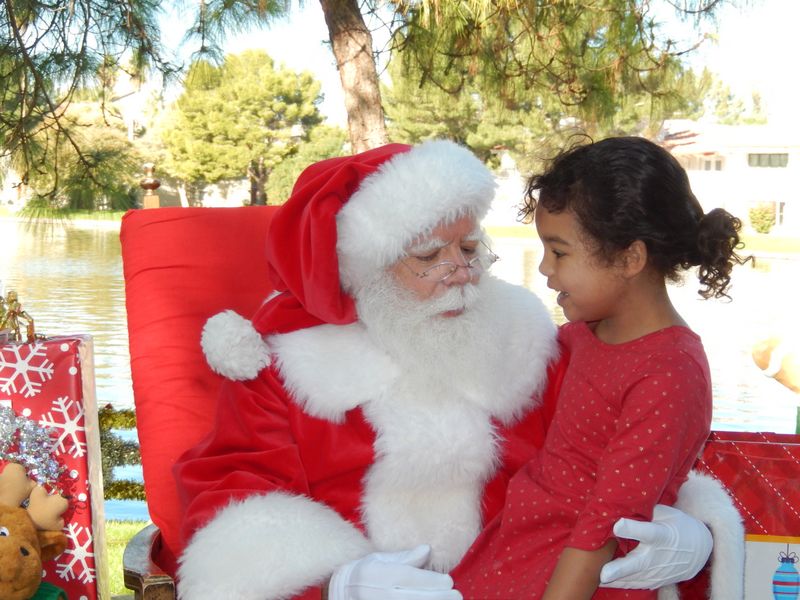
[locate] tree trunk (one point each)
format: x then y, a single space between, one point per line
184 197
352 47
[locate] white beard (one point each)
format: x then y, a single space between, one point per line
415 333
435 445
431 388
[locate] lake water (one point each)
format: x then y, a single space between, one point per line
69 279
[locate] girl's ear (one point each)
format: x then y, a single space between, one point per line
634 258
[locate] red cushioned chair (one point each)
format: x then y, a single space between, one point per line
181 266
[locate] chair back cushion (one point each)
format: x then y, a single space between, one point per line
181 266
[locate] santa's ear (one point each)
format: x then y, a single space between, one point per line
52 543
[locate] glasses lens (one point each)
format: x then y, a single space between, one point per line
439 272
490 257
445 269
483 262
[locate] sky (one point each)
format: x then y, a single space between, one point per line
758 50
755 49
299 43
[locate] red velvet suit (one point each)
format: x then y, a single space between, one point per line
336 450
322 460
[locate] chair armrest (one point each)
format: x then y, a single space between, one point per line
140 573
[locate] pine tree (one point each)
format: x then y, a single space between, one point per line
578 50
241 111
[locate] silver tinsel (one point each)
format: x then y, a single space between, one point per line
24 441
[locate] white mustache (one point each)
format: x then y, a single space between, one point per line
455 298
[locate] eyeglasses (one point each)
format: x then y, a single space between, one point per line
445 269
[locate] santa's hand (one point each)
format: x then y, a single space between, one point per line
673 548
391 576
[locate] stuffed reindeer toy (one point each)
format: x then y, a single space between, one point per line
30 532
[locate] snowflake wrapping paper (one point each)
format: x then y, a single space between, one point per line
761 471
52 382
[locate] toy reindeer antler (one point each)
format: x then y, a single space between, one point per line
15 486
44 509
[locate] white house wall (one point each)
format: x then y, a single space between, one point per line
738 187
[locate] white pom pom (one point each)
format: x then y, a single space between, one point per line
233 348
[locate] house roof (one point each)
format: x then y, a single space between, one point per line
683 137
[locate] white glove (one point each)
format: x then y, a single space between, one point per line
673 548
391 576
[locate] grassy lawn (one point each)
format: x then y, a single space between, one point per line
760 243
117 535
511 231
95 215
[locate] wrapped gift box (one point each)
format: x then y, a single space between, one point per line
51 382
762 473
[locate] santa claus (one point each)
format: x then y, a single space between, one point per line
380 399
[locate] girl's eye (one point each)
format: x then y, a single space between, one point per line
558 253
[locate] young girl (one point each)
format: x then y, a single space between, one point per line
617 218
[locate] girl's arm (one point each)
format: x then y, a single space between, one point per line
654 441
577 573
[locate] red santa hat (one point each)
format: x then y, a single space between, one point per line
348 218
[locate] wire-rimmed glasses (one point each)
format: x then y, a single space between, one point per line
445 269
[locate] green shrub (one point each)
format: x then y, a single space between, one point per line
762 217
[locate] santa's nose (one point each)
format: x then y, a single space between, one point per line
462 275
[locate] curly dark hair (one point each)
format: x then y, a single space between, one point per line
624 189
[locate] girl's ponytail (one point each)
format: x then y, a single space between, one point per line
717 242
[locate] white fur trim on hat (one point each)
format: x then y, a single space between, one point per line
233 348
406 198
267 547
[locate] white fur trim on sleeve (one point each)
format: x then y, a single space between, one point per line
318 363
704 498
233 348
268 547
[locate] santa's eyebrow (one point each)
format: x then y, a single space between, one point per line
434 243
427 245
